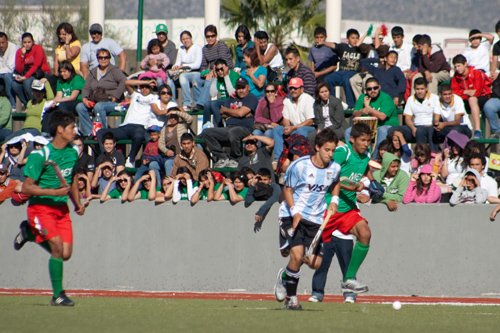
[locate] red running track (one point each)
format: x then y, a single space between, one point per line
253 297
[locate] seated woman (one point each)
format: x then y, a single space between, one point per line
83 185
237 187
148 190
205 187
124 183
162 191
423 187
182 188
422 156
451 158
401 149
243 37
31 64
68 48
269 112
103 90
255 74
328 112
42 93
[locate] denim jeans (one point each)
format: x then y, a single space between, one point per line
169 165
201 92
23 90
212 108
342 78
185 81
102 109
279 140
491 110
343 248
381 136
155 166
7 80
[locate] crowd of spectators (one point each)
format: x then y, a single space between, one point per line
261 111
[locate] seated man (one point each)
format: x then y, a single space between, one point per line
226 81
257 158
419 116
137 118
394 181
7 66
478 53
391 78
109 146
492 108
88 56
469 190
269 55
7 185
298 115
377 104
432 65
190 157
449 114
299 70
478 162
472 85
262 188
323 59
239 114
495 54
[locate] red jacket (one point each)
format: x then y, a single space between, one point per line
34 59
475 79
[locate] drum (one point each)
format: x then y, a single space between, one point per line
370 121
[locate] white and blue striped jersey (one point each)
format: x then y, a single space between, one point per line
310 185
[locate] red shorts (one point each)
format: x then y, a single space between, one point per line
342 222
47 222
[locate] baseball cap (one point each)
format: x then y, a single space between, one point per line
154 128
241 82
161 28
37 85
426 169
3 168
96 27
296 82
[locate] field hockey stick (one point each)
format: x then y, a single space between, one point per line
57 171
315 241
349 182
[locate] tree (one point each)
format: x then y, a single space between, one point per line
279 18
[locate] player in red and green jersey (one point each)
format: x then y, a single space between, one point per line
49 223
353 158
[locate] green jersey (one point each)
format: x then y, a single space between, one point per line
353 166
204 191
45 177
384 104
242 193
115 194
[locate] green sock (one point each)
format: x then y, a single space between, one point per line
358 255
56 274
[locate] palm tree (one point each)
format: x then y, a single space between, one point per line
278 17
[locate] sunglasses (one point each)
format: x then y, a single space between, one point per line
270 91
3 173
95 33
123 181
251 142
147 179
372 88
164 92
293 88
103 58
219 69
210 36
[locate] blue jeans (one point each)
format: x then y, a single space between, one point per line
342 78
268 133
23 90
212 108
185 81
155 166
343 248
201 91
7 80
381 136
169 165
278 138
102 109
491 110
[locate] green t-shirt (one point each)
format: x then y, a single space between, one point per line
242 193
115 194
67 87
45 177
353 166
204 191
384 104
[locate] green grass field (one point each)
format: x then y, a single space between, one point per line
33 314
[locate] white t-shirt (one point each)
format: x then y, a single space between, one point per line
490 185
159 120
479 57
448 112
88 52
139 111
454 169
326 113
277 61
423 112
404 56
190 58
300 112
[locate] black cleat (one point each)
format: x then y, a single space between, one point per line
292 303
61 300
21 239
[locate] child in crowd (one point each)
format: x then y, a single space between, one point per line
323 59
205 187
102 176
401 149
423 187
248 172
234 189
421 157
13 155
151 158
148 190
109 145
161 193
383 147
182 188
124 182
470 190
155 62
262 188
7 185
83 185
